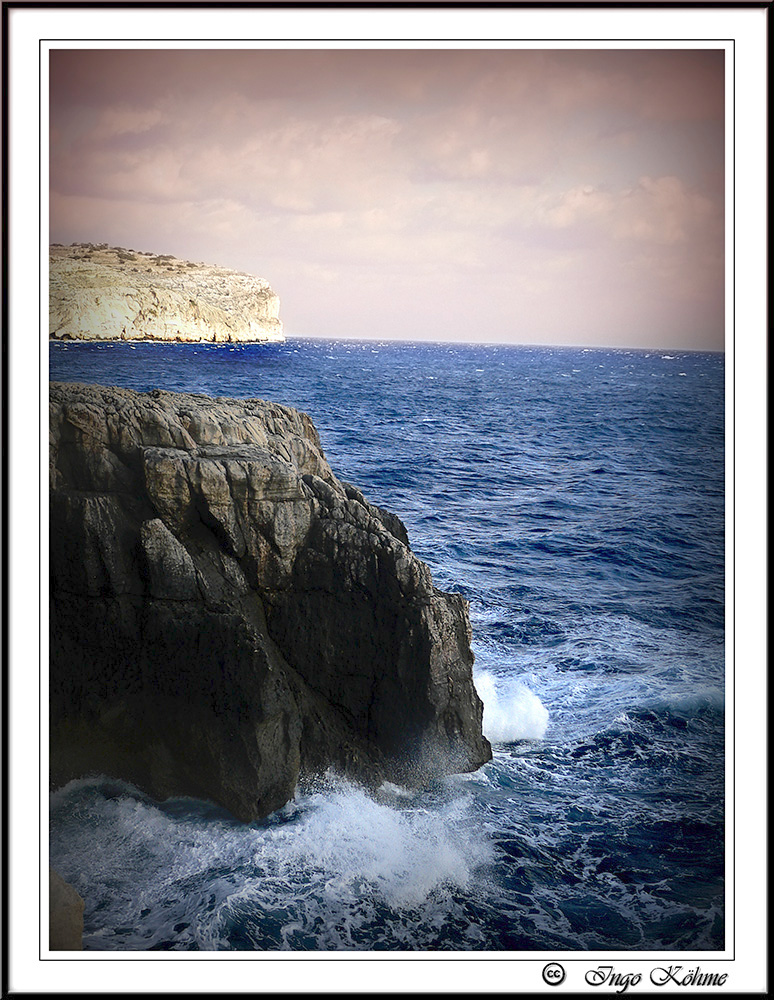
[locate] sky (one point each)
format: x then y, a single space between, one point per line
494 195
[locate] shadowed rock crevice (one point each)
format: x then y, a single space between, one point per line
228 618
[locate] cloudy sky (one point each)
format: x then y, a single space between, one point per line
560 197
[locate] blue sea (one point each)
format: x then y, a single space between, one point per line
576 498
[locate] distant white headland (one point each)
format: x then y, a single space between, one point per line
97 292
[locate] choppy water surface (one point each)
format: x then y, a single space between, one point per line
575 497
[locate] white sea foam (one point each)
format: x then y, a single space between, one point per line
511 711
403 854
330 860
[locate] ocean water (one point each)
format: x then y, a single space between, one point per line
576 498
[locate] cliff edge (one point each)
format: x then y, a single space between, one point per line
227 617
97 292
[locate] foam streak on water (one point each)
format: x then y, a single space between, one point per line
575 498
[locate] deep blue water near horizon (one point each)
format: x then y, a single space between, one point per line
576 498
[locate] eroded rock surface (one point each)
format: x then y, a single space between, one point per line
110 293
227 616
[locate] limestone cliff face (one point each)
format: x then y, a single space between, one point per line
227 616
109 293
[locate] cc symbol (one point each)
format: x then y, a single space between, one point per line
553 974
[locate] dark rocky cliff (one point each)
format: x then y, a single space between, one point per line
228 617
